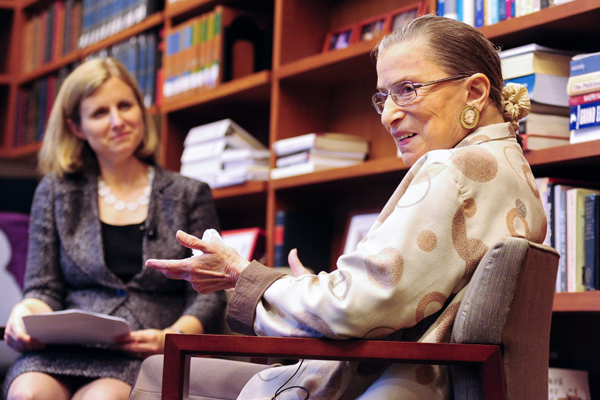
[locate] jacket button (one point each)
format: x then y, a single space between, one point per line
121 292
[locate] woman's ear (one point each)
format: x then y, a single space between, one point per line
74 129
479 90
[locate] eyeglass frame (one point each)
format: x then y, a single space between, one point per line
415 86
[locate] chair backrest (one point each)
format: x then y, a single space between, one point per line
509 302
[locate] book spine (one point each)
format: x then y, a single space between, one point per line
585 65
590 241
584 116
582 84
278 239
561 236
479 14
584 98
570 239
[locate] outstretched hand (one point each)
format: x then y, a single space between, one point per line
218 268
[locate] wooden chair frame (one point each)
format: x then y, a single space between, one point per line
180 348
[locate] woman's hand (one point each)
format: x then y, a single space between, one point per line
142 343
14 334
218 268
295 264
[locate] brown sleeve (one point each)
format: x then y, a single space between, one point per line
251 285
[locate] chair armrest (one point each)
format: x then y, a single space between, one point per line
179 349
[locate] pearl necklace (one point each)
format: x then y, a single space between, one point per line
132 206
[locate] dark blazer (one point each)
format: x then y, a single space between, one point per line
66 268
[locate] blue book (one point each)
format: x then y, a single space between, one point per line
584 116
440 7
545 88
502 10
495 11
585 63
591 241
479 14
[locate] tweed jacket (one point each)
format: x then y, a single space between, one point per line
66 268
406 278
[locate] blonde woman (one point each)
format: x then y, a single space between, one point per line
102 207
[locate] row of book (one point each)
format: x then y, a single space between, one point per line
480 13
103 18
51 33
140 56
584 90
544 72
215 47
34 103
573 212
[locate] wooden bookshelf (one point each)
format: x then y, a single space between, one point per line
307 90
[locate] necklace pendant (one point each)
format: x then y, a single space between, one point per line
119 205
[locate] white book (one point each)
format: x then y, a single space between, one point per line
232 155
324 141
308 167
585 135
203 150
201 167
236 136
74 327
532 47
568 384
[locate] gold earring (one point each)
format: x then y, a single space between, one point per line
469 117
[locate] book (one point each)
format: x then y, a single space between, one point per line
584 99
535 62
584 135
545 88
584 83
545 124
576 237
592 242
560 233
532 47
74 327
584 64
310 232
567 384
323 141
584 116
545 188
310 166
533 141
236 136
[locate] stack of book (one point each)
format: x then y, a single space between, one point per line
317 151
544 72
573 211
584 91
223 154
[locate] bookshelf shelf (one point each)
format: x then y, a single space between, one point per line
254 87
577 302
5 79
248 188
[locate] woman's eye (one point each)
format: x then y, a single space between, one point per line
407 89
99 113
125 105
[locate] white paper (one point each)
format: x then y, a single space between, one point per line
74 327
210 235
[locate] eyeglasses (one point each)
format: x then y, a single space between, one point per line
405 92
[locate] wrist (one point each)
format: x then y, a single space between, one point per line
173 330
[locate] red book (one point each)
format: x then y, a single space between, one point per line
584 98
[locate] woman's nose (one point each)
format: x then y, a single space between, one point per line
391 112
116 119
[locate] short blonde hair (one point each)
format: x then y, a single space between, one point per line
64 153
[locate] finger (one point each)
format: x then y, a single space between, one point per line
295 263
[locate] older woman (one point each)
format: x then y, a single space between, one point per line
441 97
103 207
